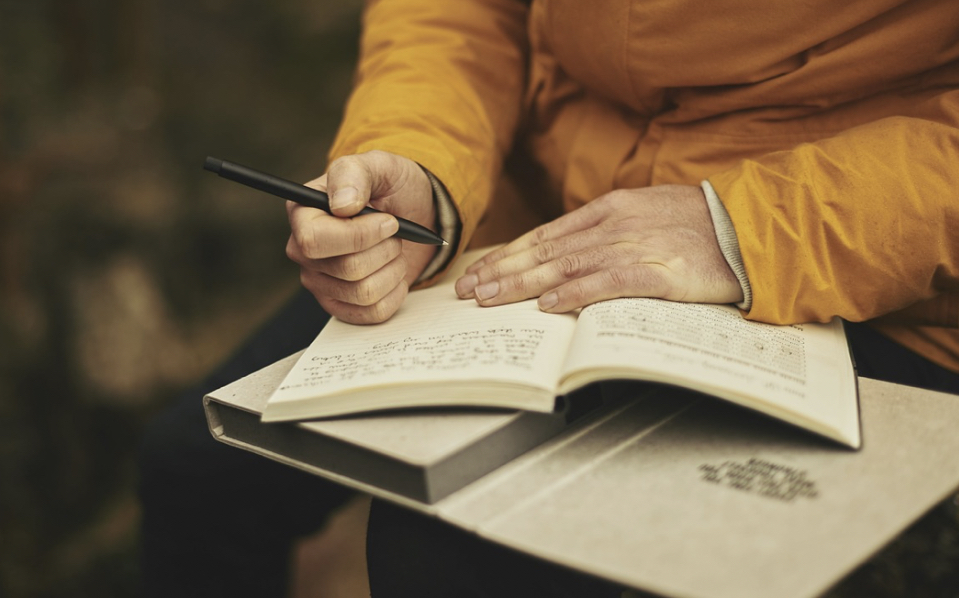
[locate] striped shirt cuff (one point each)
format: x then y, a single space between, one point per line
449 226
728 243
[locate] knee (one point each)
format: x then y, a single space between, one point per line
177 455
410 555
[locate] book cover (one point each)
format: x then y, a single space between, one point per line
681 494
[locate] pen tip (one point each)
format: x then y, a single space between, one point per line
445 243
212 164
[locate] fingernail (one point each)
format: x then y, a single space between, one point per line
466 284
548 301
343 198
488 290
389 227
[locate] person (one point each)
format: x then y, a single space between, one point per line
797 160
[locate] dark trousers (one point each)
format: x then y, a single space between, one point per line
218 521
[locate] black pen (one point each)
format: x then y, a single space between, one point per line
306 196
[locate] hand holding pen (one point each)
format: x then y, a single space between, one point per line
309 197
352 258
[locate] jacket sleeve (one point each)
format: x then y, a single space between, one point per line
859 225
440 82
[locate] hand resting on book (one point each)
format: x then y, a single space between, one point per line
651 242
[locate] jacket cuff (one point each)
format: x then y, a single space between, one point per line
728 242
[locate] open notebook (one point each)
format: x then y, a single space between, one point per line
439 350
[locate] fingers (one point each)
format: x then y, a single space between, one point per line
583 219
363 288
528 272
366 287
351 267
569 281
518 266
366 314
363 292
319 235
646 280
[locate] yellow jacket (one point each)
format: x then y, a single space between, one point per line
830 131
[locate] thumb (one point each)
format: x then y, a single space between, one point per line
349 181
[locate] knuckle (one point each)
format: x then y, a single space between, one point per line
540 235
379 313
618 279
544 252
343 163
376 154
384 309
357 238
292 252
614 201
365 292
570 266
622 226
489 272
350 269
517 284
313 250
308 243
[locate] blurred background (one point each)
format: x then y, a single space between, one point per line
127 272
